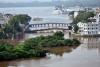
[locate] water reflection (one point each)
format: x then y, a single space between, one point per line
91 43
59 51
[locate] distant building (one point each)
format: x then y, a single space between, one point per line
97 10
75 14
90 28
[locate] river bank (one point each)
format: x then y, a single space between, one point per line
34 47
89 50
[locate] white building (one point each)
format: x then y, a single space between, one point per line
90 28
76 14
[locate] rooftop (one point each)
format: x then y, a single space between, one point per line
48 21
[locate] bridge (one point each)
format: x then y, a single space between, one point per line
48 27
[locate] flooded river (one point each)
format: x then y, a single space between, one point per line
85 55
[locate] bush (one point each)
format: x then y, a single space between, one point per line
5 47
68 42
5 55
34 47
75 41
59 35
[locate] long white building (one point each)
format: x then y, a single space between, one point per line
90 28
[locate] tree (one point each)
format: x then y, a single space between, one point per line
76 28
76 42
13 27
3 35
22 18
83 17
70 27
59 35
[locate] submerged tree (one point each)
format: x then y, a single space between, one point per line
76 28
13 27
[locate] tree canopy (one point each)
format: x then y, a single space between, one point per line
34 47
83 17
13 27
22 18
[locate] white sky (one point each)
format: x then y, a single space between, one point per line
18 1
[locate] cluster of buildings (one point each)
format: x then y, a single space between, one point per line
4 18
92 27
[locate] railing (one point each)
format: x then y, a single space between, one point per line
33 27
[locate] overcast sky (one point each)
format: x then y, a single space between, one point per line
19 1
26 1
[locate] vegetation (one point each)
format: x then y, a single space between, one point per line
22 18
3 35
13 27
83 17
34 47
10 52
76 28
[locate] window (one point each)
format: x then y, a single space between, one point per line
96 28
96 24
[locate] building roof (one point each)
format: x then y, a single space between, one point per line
48 21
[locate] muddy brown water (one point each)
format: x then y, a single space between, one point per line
85 55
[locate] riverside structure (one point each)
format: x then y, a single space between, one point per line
48 26
90 28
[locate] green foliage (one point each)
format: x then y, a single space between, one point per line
83 17
75 41
5 46
22 18
59 34
5 55
76 28
9 52
68 42
34 47
70 27
6 51
50 41
13 27
3 35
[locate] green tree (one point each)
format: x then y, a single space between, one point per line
76 28
22 18
13 27
5 47
83 17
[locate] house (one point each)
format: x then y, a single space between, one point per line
90 28
76 14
